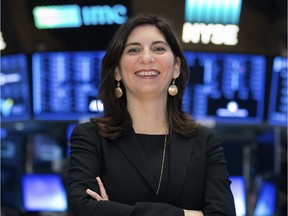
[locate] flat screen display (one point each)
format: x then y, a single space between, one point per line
266 201
226 88
277 114
15 93
238 188
65 85
44 193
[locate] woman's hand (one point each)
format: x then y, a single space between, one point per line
192 213
103 195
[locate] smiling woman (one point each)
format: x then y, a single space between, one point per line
147 66
146 156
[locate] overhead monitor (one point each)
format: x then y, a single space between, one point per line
15 91
65 85
226 88
77 25
277 113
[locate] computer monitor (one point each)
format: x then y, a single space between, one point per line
238 188
15 91
225 88
65 85
43 193
12 166
266 202
277 113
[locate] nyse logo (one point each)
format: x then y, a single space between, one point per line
215 33
211 21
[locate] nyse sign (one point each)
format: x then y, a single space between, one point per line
210 33
211 21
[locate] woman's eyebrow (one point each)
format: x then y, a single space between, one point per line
133 44
160 42
153 43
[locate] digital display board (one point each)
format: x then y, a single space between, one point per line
277 113
15 91
226 88
77 25
65 85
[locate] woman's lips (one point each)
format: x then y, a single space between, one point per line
147 73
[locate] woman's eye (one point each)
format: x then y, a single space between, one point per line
159 49
133 50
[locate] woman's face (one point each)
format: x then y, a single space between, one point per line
147 65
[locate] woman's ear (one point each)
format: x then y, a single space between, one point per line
177 67
117 74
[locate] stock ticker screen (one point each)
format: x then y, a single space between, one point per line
223 87
15 95
65 85
277 113
227 88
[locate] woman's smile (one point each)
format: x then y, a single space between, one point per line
147 74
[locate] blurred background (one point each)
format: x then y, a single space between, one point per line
51 54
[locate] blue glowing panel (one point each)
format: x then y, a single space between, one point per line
277 114
238 189
43 192
74 16
226 88
266 202
57 16
213 11
15 95
65 85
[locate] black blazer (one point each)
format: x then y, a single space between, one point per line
197 178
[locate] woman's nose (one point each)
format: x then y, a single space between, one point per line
147 58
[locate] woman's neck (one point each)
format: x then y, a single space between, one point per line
148 116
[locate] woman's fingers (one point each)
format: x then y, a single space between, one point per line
103 195
94 195
192 213
102 189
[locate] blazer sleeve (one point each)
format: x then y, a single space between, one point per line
85 166
218 195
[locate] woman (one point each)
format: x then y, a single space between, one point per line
149 158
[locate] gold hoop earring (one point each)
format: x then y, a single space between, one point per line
173 90
118 91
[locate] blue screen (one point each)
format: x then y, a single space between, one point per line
65 85
15 95
266 202
277 114
238 188
12 165
43 192
226 88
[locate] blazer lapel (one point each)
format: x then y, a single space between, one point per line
180 153
130 147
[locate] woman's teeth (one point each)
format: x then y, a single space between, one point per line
147 73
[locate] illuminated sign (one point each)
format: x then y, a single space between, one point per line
2 42
58 16
211 21
74 16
